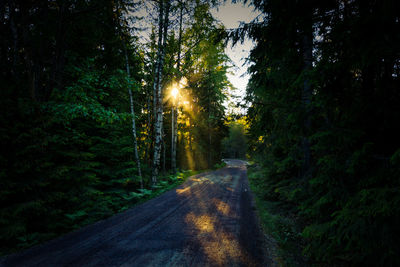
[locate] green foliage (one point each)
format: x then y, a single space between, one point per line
205 66
277 223
67 155
347 192
219 165
235 145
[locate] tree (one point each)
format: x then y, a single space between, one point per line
235 145
174 108
317 87
135 145
206 65
158 85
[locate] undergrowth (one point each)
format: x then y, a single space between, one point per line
277 221
55 220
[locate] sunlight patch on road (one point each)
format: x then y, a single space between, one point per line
214 222
195 181
221 247
203 223
221 206
183 190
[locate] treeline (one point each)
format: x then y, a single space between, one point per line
324 123
86 127
234 146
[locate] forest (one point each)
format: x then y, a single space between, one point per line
94 120
324 125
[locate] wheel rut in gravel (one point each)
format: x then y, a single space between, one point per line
207 221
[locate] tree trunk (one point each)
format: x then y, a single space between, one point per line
173 155
164 151
190 136
135 146
209 128
157 129
158 60
59 54
174 108
307 46
147 155
14 33
158 92
175 139
209 143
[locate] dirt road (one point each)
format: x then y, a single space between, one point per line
207 221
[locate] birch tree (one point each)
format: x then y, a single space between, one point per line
135 146
174 109
157 86
134 136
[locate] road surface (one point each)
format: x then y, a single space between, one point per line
207 221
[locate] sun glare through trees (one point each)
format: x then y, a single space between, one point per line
105 104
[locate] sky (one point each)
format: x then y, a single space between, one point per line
231 15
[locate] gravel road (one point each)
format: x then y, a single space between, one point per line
207 221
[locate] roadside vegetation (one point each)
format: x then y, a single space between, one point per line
83 210
323 128
279 223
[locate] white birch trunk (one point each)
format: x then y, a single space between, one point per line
159 104
135 146
157 66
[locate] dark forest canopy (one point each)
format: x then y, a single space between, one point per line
324 122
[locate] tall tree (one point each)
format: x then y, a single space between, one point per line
206 66
307 37
127 67
174 110
317 87
135 146
158 85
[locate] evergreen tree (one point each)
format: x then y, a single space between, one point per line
322 122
